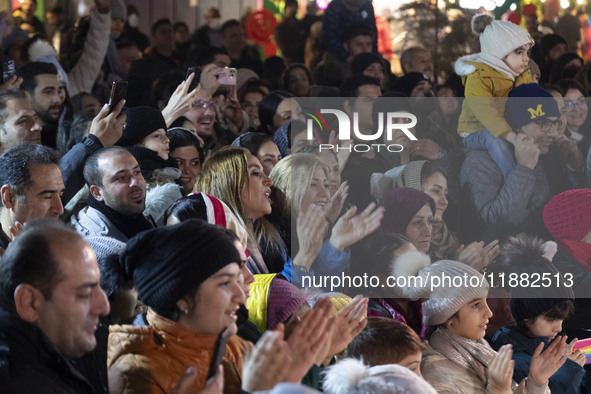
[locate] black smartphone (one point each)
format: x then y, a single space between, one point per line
7 70
197 71
219 350
118 92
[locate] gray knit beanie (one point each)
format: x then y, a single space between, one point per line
104 246
451 285
499 38
410 176
118 10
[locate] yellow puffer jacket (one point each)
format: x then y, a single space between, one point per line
486 91
152 359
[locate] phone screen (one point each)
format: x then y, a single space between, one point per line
7 70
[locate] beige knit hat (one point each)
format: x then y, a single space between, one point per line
451 285
410 176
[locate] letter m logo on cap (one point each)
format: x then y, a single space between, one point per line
536 113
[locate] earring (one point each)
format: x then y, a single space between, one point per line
186 311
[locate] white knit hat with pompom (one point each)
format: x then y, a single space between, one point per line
499 38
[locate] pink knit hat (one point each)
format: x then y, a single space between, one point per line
568 215
284 299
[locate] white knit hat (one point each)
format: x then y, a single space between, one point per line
451 285
499 38
351 376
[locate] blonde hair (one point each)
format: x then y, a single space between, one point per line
293 175
225 175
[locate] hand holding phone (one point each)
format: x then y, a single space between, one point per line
197 71
227 76
118 93
219 349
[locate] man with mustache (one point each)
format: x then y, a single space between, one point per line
18 121
47 95
50 304
117 196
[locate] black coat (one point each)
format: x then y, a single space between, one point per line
30 364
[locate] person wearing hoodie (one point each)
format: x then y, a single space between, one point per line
501 65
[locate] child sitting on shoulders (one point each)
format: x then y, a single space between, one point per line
501 65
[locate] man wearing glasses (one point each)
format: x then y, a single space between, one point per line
515 203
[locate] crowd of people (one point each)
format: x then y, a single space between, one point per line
187 238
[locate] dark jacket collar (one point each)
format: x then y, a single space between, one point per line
24 344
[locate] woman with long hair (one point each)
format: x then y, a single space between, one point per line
302 178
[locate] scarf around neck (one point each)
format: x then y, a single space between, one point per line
494 62
580 251
128 225
467 353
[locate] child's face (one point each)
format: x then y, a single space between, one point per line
158 142
543 327
471 320
412 362
517 60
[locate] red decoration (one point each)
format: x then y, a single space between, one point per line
270 49
512 16
260 25
530 9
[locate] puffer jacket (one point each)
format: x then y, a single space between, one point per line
448 377
152 359
486 90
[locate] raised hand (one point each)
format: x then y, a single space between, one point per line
311 229
13 82
578 355
215 385
545 364
500 371
337 201
527 152
308 339
180 101
108 127
267 364
348 323
350 228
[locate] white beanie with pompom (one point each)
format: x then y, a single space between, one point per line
499 38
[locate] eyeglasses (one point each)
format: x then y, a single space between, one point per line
569 105
202 105
547 124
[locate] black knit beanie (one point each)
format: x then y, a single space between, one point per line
362 61
408 82
549 41
168 263
141 122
